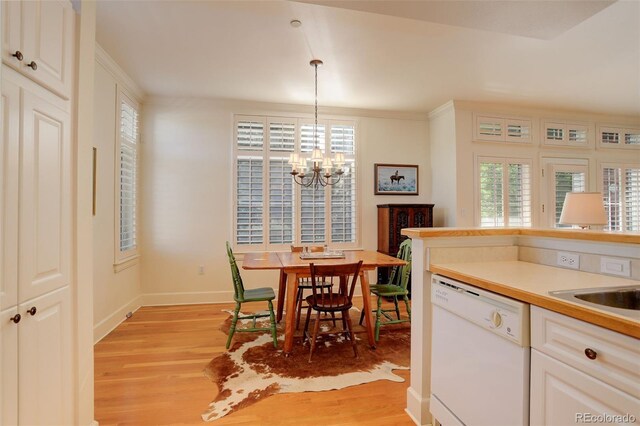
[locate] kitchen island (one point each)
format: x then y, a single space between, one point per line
518 263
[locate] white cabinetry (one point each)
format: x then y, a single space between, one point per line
37 41
36 222
581 371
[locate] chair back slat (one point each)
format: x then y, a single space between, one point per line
398 273
343 271
238 286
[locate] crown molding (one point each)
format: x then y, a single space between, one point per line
444 108
104 59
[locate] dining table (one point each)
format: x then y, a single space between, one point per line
294 265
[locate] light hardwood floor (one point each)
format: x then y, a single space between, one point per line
148 371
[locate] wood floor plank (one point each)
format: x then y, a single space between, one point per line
149 371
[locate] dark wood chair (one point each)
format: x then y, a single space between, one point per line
332 302
304 283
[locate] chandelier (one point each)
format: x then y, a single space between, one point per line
316 170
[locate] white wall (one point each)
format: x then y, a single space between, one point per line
442 138
114 293
187 197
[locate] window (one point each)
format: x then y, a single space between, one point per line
501 129
271 211
621 193
565 134
126 178
618 137
560 175
504 192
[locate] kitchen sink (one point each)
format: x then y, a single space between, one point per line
620 300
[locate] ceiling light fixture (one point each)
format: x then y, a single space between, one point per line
324 170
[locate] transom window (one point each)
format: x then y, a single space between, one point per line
271 211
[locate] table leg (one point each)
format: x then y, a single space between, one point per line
282 290
290 320
366 306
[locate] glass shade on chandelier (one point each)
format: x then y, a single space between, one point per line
317 169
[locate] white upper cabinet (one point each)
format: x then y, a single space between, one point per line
37 41
618 137
565 134
501 129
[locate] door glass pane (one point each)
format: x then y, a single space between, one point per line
566 181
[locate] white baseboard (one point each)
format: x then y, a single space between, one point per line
108 324
418 408
191 298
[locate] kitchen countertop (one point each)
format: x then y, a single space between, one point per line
574 234
531 283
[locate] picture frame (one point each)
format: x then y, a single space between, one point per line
395 179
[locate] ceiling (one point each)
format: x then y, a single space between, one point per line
408 56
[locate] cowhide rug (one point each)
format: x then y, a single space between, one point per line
253 369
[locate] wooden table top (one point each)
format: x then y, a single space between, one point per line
288 261
263 260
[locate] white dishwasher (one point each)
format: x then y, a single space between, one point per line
479 356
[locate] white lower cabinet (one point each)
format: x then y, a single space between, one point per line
562 395
36 362
581 373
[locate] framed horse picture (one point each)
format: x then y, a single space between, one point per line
396 179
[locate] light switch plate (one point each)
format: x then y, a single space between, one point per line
613 266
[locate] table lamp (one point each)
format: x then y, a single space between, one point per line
583 209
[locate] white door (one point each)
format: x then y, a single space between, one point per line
562 395
45 198
45 388
9 161
560 176
9 365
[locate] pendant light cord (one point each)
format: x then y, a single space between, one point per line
315 129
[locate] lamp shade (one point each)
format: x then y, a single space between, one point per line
583 209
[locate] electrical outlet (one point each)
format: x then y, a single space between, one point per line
610 265
201 270
568 260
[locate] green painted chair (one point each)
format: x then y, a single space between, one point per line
395 288
240 295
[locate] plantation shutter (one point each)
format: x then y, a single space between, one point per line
566 181
343 194
519 187
611 190
280 202
249 200
306 137
128 175
312 217
491 205
632 199
250 135
504 192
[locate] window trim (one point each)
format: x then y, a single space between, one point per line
299 120
599 185
128 258
476 187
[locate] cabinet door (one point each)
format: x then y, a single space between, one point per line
45 389
562 395
400 218
43 32
45 199
9 366
9 170
11 40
